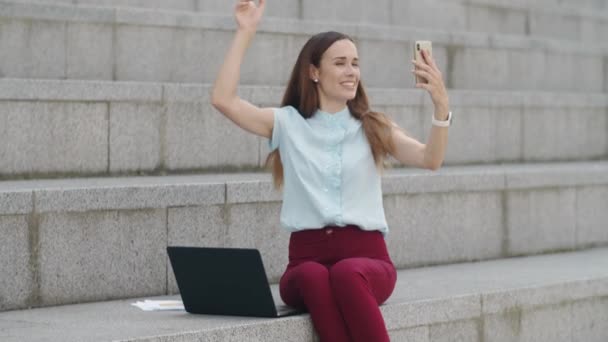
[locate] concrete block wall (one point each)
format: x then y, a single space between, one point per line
95 239
54 42
88 128
571 20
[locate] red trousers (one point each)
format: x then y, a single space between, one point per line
340 275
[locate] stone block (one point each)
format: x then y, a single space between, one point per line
554 25
469 227
563 73
32 48
564 133
252 191
182 5
257 226
211 59
480 68
152 47
16 269
15 202
590 320
418 312
135 141
386 64
357 11
198 136
548 324
70 90
53 137
435 14
90 51
463 331
527 69
591 215
420 334
497 137
135 193
282 9
203 226
588 72
269 60
541 220
102 255
495 19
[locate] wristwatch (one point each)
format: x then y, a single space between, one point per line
445 123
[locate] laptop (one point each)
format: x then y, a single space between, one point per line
224 281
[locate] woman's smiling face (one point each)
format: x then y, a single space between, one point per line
338 73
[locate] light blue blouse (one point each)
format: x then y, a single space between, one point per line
329 173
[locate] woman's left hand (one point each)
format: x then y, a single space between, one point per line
435 86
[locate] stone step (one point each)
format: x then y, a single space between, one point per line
62 128
570 20
77 240
54 41
555 297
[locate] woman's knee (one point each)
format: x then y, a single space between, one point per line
345 272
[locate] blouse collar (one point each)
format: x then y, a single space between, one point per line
341 115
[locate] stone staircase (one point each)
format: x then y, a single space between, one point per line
110 151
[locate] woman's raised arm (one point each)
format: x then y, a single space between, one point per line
224 94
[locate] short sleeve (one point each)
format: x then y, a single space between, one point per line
278 127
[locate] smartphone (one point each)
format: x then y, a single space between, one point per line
427 46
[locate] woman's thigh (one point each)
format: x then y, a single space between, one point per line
377 276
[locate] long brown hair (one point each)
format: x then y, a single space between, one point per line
302 94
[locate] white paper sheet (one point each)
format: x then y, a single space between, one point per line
160 305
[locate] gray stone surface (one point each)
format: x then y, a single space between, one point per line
257 226
400 314
53 137
15 202
590 318
135 136
198 136
71 90
175 40
90 51
539 175
541 220
550 324
347 11
99 256
184 5
495 19
591 215
15 270
135 196
425 298
252 191
446 227
553 25
420 334
497 137
562 133
32 49
153 49
485 68
462 331
196 227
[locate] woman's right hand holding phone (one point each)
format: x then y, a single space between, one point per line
248 14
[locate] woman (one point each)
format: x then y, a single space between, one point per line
327 153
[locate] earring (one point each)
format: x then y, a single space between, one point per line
316 80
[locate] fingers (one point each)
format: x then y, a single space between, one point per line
425 75
262 3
